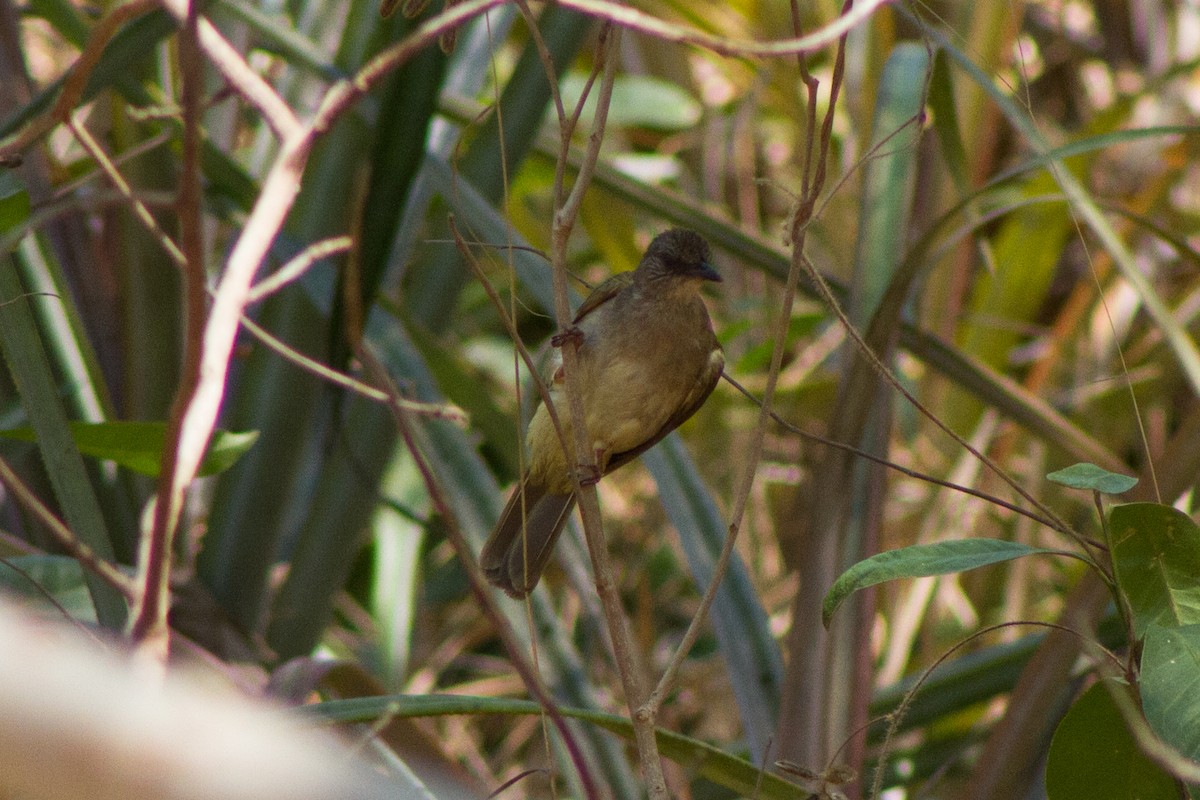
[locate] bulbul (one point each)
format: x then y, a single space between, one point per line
647 360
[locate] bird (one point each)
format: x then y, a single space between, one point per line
647 360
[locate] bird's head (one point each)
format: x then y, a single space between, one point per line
678 253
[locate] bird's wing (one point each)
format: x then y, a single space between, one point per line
700 392
603 293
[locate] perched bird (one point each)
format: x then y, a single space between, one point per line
647 360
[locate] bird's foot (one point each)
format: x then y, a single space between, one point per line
571 334
589 474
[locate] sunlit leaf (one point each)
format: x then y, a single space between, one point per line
1089 476
923 560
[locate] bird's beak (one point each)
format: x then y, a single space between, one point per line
707 272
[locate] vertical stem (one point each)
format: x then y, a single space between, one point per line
148 628
630 665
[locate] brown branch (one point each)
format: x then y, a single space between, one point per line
344 93
148 628
641 22
629 662
197 407
246 82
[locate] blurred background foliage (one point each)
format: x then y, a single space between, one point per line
961 132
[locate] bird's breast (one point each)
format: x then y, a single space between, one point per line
640 363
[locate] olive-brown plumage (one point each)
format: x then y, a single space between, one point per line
647 360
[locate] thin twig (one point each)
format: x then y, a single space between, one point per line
290 271
297 266
912 473
148 626
53 601
882 370
813 182
629 662
506 319
896 716
641 22
344 93
446 411
246 82
124 157
198 407
85 555
93 148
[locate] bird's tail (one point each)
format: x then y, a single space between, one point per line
521 543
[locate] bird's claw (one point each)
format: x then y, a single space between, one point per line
571 334
589 474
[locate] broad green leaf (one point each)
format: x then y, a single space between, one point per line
741 776
923 560
1170 686
139 445
1094 755
1089 476
1156 555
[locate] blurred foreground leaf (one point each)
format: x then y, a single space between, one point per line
697 757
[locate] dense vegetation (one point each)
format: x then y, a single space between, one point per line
267 272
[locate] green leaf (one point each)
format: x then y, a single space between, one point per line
32 580
1156 556
923 560
1097 479
14 202
25 354
1170 686
1093 754
741 776
638 101
139 445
